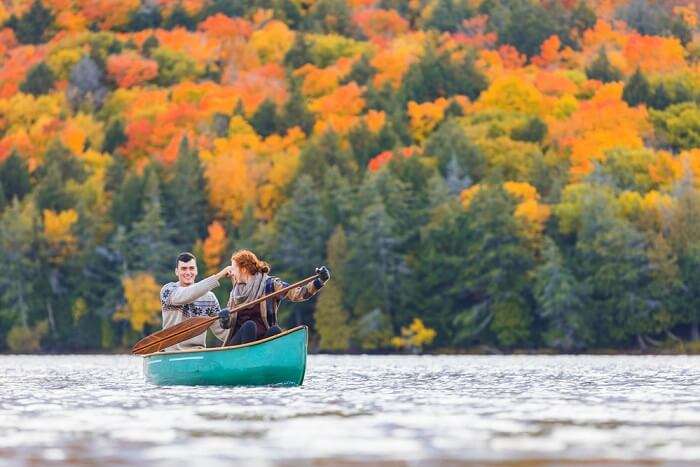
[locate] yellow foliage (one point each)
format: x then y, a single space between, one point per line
534 216
79 309
57 231
62 61
630 204
521 190
317 81
512 93
467 195
414 336
346 100
142 307
564 107
393 61
23 339
425 117
272 41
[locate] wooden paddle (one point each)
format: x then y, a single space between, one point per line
196 325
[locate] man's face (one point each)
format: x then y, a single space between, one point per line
186 272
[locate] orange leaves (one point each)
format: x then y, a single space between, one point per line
15 67
654 54
380 24
425 117
338 110
393 61
214 246
222 26
142 307
265 82
383 158
549 52
604 122
130 69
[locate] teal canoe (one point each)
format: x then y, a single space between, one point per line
278 360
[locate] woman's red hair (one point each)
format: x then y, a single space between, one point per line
246 259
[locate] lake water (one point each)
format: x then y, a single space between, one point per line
393 410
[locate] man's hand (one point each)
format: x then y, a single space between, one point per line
224 318
323 273
225 272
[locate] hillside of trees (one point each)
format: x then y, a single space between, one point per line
518 174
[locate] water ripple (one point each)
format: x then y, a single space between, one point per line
396 410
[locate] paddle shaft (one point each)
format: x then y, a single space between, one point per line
185 334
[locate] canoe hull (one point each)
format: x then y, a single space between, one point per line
279 360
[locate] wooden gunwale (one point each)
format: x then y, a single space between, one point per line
231 347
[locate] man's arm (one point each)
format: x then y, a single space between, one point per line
184 295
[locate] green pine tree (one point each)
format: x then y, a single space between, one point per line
40 80
602 70
264 120
14 177
34 26
331 318
186 198
637 90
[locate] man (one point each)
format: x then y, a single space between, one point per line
185 298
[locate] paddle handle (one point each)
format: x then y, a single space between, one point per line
246 305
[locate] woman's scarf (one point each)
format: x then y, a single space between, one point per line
244 292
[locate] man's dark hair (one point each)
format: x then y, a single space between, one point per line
185 257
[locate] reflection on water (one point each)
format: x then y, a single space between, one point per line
97 410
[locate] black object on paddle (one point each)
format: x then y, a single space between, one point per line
196 325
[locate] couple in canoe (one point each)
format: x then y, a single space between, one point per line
186 298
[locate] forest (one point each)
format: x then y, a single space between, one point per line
513 175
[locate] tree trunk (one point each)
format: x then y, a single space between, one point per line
52 321
642 344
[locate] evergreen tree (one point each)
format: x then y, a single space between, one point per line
447 15
59 167
147 16
295 112
435 75
450 145
14 177
114 136
301 236
602 70
34 25
338 200
299 53
375 267
660 100
361 71
637 90
329 16
18 246
186 195
127 204
151 43
533 130
264 120
40 80
523 24
561 302
497 264
324 152
610 254
583 17
180 18
331 318
150 246
364 144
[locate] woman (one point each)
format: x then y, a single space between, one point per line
251 281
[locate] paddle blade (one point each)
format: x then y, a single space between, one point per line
173 335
